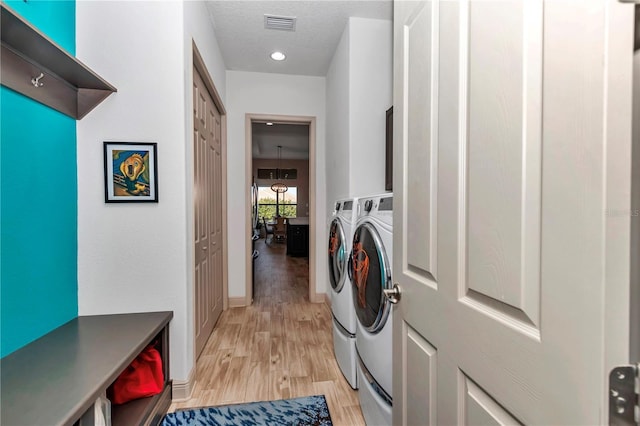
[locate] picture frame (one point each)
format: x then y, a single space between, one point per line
130 172
388 161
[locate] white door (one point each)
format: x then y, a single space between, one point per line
511 149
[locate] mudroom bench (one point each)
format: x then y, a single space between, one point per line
56 379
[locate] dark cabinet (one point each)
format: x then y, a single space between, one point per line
298 237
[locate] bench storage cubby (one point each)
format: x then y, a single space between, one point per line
56 379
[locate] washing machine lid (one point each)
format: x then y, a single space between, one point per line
338 254
370 274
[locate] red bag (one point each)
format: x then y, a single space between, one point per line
142 378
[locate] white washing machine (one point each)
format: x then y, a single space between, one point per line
370 274
344 317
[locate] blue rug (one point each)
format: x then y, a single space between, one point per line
309 410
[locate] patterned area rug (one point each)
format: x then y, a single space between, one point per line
309 410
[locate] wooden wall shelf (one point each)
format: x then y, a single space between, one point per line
68 85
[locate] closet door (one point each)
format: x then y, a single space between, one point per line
207 137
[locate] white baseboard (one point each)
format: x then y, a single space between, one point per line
319 298
327 299
237 302
182 390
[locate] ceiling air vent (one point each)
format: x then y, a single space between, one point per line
284 23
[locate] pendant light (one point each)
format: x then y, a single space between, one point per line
279 187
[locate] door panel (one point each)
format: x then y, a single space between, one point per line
421 382
502 154
200 224
635 202
500 228
420 30
208 213
480 409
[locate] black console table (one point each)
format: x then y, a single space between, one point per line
298 236
56 379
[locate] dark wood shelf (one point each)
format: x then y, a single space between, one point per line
68 85
55 379
149 410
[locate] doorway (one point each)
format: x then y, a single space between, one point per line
283 205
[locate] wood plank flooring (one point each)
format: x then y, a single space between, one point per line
279 347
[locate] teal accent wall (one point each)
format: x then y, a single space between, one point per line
38 200
55 18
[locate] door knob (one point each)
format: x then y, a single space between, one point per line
393 294
204 247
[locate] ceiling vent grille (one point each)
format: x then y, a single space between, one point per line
283 23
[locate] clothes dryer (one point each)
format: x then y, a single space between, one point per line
370 274
344 316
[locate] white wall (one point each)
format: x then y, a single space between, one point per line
370 95
260 93
338 123
134 257
359 92
198 28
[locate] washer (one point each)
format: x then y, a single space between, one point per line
344 316
370 273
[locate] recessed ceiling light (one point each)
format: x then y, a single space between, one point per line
278 56
269 123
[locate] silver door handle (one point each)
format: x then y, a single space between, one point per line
204 247
393 294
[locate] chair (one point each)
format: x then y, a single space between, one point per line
268 230
280 230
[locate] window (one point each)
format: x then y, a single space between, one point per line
271 204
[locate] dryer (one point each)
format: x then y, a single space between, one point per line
370 274
344 316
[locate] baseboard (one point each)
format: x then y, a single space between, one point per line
327 299
237 302
182 390
318 298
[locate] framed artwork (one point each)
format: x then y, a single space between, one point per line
388 163
130 172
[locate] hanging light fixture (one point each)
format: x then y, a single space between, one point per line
279 187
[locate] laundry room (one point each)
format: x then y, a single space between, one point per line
319 212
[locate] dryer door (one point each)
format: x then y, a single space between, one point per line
338 254
369 270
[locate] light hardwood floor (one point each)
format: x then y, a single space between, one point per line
279 347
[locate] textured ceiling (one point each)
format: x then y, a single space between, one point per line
246 44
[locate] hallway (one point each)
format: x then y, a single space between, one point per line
280 347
